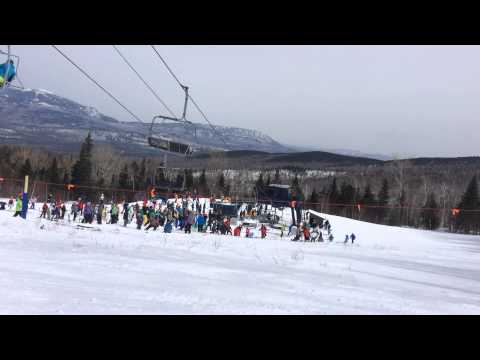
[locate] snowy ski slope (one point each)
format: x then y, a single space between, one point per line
54 268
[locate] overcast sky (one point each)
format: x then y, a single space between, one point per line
393 100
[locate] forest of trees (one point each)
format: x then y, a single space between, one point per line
399 194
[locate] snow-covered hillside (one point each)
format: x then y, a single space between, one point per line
58 269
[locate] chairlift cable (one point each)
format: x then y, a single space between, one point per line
100 86
189 96
143 80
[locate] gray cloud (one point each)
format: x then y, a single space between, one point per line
418 100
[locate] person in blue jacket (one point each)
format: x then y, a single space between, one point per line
200 222
4 77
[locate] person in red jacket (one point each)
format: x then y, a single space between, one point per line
263 230
237 231
306 233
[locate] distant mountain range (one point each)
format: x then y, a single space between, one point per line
39 117
346 152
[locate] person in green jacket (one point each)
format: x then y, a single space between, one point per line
18 206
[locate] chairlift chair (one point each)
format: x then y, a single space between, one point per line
165 143
16 60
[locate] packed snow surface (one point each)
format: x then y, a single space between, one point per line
57 268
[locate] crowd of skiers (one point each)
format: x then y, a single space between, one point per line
312 231
181 213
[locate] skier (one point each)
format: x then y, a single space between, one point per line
190 220
237 230
74 210
88 213
352 237
200 222
44 210
153 222
306 233
263 231
168 227
125 213
63 209
99 213
5 77
139 219
346 239
114 214
18 206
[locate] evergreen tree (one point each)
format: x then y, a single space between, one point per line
26 169
53 173
189 179
398 216
295 182
368 200
136 175
221 182
468 221
347 196
82 169
430 216
383 195
42 174
368 197
202 184
142 175
297 189
123 178
383 199
276 179
66 177
314 199
259 184
333 196
179 181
